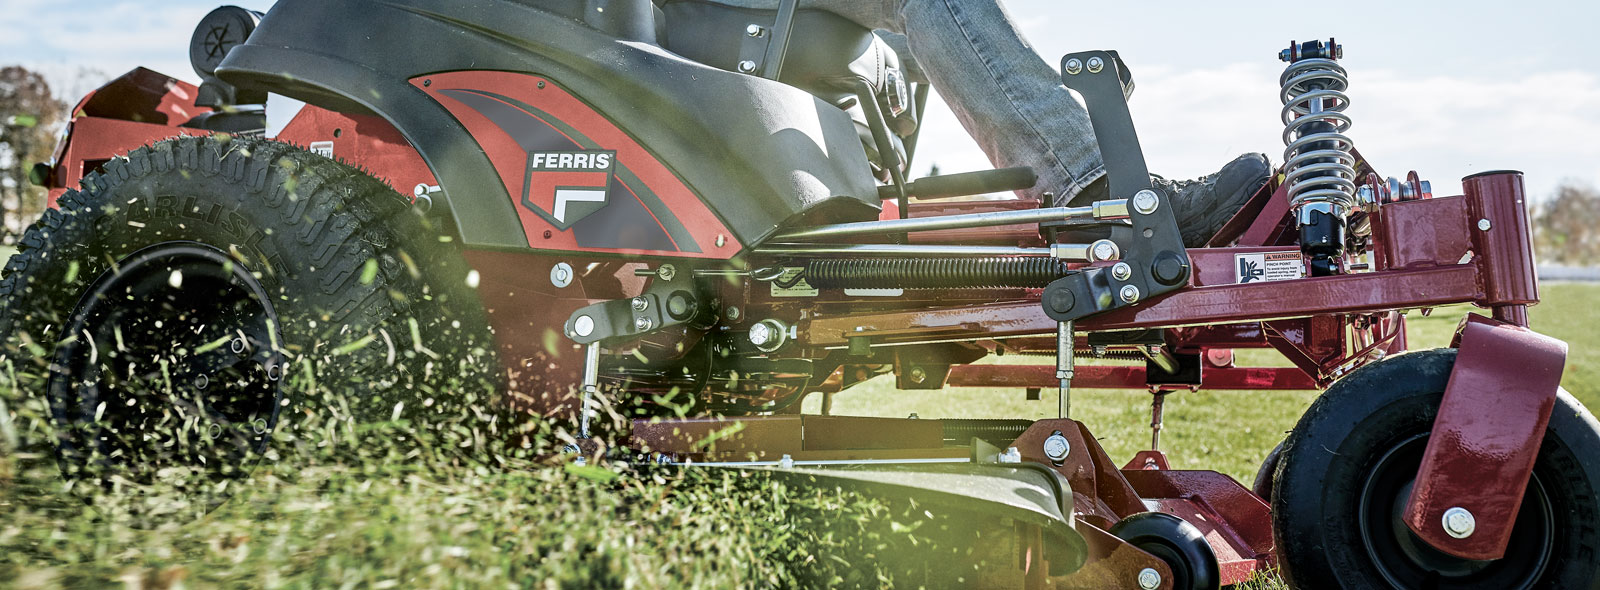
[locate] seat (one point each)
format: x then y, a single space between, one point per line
827 57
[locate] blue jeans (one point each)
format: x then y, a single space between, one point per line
1009 100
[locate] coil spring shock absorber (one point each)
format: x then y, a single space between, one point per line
1319 168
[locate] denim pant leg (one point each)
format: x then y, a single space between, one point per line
1008 98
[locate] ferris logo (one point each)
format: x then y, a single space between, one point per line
565 187
595 161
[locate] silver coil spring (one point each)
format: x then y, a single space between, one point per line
1318 163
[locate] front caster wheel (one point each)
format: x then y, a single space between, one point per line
1180 544
1346 473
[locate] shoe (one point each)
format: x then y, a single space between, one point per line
1205 204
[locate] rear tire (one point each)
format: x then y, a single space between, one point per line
1346 470
163 306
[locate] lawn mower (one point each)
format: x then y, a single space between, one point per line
627 204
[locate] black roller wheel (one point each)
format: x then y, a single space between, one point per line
166 303
1347 469
1176 542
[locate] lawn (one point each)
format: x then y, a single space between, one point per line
350 508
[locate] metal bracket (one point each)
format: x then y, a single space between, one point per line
1154 260
671 300
1480 461
763 49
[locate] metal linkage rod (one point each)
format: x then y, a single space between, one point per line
1072 252
591 386
1064 362
1114 209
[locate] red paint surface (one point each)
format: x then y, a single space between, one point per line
366 141
1125 377
1504 251
1486 437
510 160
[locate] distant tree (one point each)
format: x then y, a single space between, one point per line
30 118
1566 229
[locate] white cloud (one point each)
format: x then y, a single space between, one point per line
1191 122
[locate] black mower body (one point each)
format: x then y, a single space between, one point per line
757 153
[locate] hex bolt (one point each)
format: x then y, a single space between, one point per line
667 272
640 303
918 375
1122 271
1104 250
1129 293
732 313
1484 224
561 275
642 323
1146 201
1149 579
722 240
583 326
1074 66
1057 447
1459 523
754 30
760 334
747 66
1096 64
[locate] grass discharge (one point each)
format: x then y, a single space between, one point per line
400 505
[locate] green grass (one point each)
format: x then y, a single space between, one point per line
365 508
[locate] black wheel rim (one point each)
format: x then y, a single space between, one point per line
1406 561
170 359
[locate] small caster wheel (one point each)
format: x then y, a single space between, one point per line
1180 544
1347 473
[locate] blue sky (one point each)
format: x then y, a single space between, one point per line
1443 88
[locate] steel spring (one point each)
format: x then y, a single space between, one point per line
934 273
1317 158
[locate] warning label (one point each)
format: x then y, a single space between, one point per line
1268 266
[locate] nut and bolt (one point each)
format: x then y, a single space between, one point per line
1096 64
732 313
1129 293
640 303
1459 523
754 30
561 275
1103 250
1122 271
1483 224
747 66
1057 447
769 335
641 324
918 375
1149 579
583 326
1146 201
667 272
1074 66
